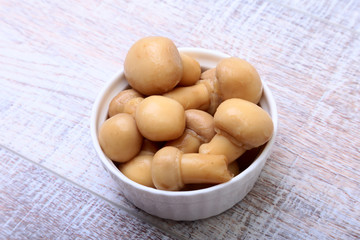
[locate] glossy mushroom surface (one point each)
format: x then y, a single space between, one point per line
238 79
160 119
240 125
153 65
120 138
232 78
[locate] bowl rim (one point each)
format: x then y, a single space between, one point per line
110 166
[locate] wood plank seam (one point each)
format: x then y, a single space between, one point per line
129 211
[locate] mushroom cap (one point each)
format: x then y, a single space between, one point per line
191 70
247 124
119 138
153 65
138 169
202 123
160 118
238 79
117 104
166 169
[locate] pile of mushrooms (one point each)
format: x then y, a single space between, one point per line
176 125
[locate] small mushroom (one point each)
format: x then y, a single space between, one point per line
233 78
199 129
125 101
119 138
160 119
171 169
191 70
153 65
240 125
138 169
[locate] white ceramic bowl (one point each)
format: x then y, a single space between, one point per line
182 205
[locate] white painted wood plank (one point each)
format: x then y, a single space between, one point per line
341 13
35 204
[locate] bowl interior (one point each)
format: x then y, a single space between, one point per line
207 59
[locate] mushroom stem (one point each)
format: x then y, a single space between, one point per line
199 130
203 168
192 97
220 144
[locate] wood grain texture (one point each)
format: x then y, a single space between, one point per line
341 13
43 206
55 57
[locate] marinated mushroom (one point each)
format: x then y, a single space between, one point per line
171 169
120 138
125 102
238 79
199 129
153 65
234 78
191 70
160 119
240 125
138 169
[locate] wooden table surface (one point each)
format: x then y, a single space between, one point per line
55 56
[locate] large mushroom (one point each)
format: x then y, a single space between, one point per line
234 78
120 138
153 65
160 119
199 129
171 169
240 125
